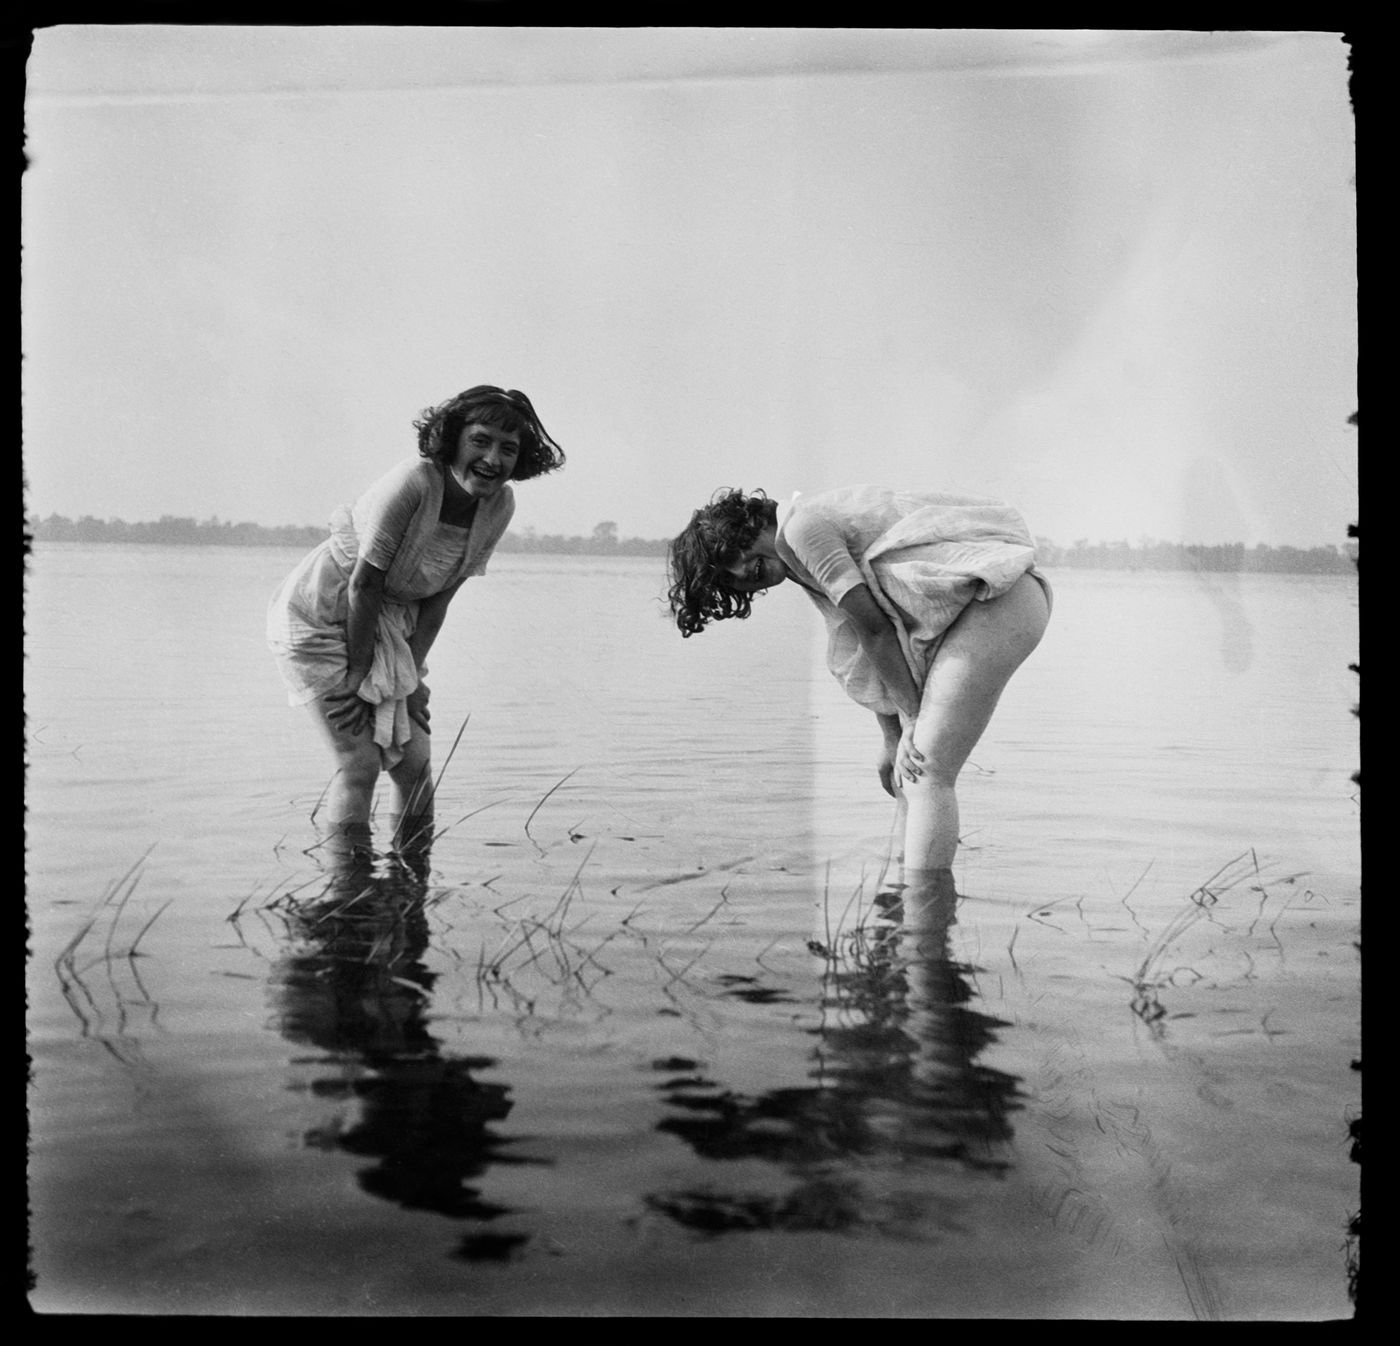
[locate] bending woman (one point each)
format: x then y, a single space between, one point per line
352 625
932 602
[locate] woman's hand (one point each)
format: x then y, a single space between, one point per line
890 730
908 760
347 710
884 764
417 702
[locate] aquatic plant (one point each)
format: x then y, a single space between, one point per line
1153 975
80 996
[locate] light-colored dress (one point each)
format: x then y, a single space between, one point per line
394 526
923 556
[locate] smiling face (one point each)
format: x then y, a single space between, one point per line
486 456
756 567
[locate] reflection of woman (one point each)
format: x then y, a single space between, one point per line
352 625
932 602
357 988
897 1089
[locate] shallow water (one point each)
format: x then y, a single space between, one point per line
647 1039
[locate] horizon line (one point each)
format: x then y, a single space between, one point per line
1350 542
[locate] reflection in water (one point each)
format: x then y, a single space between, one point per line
1206 494
357 989
898 1105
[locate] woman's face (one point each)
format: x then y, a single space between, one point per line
486 458
755 569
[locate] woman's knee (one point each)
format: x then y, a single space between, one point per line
414 790
358 776
358 767
415 767
940 775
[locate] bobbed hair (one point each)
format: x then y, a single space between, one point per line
697 559
440 428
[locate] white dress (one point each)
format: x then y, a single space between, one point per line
306 619
923 556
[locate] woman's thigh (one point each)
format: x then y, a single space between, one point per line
979 653
356 754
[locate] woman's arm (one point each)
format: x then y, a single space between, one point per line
431 612
899 760
890 726
880 642
891 731
364 597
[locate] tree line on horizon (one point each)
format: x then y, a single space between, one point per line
1146 554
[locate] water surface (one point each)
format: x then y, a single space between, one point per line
650 1035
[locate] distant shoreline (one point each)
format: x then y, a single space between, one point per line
1121 555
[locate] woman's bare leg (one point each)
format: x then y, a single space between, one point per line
890 729
412 818
976 659
900 828
346 808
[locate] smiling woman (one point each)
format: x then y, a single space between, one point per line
352 625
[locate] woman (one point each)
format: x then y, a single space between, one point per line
352 625
932 602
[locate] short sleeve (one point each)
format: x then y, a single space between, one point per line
383 518
819 545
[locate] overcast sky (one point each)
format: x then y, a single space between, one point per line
1108 276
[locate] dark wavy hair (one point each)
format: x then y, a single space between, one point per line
440 428
697 558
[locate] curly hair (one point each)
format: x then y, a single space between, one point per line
440 428
712 540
